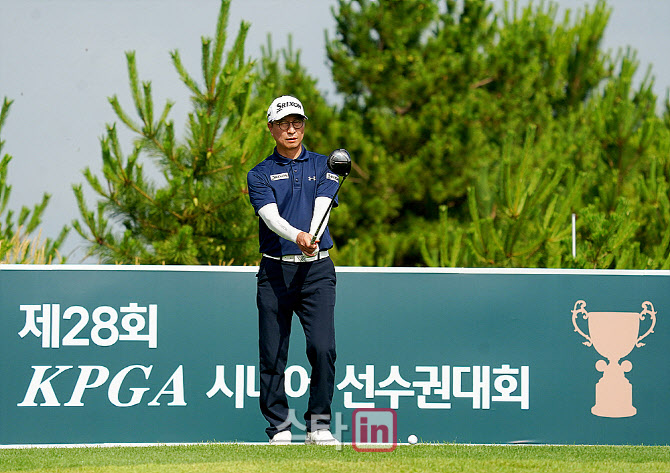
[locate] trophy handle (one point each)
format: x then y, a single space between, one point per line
581 310
648 308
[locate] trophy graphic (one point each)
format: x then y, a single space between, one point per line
614 335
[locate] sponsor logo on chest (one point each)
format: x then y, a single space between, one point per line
279 177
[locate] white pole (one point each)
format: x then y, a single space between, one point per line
574 236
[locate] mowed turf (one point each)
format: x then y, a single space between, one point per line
210 458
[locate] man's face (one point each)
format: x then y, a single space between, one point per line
289 141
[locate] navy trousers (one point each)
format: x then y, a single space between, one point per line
308 290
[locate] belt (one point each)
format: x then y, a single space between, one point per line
299 258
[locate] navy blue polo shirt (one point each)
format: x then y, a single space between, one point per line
293 185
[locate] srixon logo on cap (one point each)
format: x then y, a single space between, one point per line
288 104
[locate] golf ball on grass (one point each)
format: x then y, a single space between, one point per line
412 439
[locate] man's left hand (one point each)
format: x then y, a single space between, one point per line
304 241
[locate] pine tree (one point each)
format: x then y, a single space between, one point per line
624 216
527 218
201 213
20 240
474 135
432 91
436 95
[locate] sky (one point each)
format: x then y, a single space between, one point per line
60 60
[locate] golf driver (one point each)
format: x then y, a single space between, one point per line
339 162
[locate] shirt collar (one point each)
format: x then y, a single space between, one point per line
283 160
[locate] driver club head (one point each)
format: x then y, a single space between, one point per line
339 162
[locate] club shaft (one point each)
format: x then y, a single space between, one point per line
318 229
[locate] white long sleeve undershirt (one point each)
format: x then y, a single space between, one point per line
275 222
270 215
321 206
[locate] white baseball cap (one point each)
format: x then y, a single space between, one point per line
284 106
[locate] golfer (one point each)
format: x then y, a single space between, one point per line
291 191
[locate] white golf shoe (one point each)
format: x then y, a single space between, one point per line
282 438
321 437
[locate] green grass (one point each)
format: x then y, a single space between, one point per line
210 458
